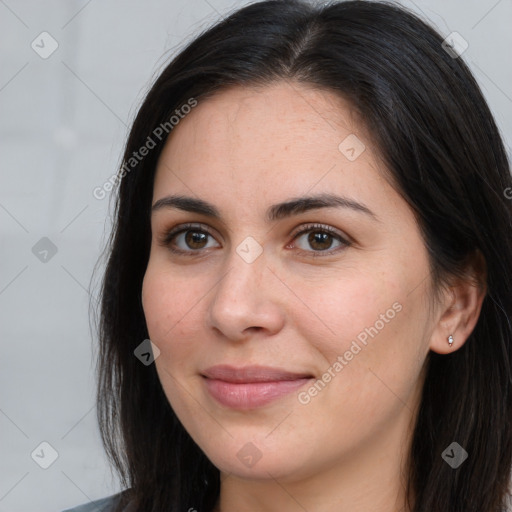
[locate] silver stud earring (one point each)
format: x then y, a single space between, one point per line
450 340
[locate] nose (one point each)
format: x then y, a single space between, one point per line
247 299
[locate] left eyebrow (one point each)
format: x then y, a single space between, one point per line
294 206
299 205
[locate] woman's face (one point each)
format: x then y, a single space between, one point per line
339 318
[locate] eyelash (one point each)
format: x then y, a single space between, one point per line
171 234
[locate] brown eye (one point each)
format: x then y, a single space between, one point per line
320 239
195 239
188 239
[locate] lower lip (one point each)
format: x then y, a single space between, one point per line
253 394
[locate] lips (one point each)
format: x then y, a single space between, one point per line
249 374
251 386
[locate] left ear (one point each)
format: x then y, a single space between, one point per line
461 307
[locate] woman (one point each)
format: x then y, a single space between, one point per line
313 230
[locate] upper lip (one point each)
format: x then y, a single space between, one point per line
251 374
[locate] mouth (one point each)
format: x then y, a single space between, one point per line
251 387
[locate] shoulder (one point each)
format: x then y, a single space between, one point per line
102 505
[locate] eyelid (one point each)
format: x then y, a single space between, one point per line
320 227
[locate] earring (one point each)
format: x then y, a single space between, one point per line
450 340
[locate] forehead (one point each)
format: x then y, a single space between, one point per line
261 144
297 115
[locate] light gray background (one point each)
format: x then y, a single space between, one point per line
63 121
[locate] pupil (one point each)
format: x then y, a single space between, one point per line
193 237
319 237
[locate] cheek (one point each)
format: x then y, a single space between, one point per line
344 309
363 324
170 307
371 362
383 351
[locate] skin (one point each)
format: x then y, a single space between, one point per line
243 150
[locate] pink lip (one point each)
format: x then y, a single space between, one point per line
251 386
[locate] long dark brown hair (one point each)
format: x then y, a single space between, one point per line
438 139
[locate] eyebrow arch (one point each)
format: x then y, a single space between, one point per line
275 212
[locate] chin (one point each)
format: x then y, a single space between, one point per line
256 460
